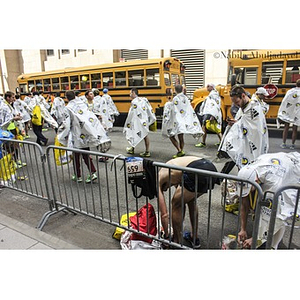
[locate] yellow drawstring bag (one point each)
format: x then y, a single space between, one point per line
37 116
7 167
62 157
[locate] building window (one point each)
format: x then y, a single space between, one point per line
65 51
50 52
81 50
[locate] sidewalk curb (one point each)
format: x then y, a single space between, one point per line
35 234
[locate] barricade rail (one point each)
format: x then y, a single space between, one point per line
109 197
291 223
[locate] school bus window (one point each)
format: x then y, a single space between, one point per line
39 85
272 72
246 75
64 83
152 77
23 88
47 85
85 81
55 84
292 71
120 78
167 79
107 79
96 81
74 82
175 79
136 78
31 85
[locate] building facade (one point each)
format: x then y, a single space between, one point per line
202 66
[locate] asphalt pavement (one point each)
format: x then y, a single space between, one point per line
20 213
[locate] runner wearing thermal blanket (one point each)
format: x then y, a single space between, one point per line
271 171
246 137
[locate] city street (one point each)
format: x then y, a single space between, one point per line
88 233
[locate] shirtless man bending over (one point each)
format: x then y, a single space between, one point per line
173 177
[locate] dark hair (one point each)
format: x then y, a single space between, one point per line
237 91
35 93
8 94
57 94
87 92
70 95
17 96
298 83
135 91
96 92
178 88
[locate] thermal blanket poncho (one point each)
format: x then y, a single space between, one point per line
212 106
289 110
140 117
82 125
248 138
275 170
180 117
37 100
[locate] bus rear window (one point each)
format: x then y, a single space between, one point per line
292 71
175 79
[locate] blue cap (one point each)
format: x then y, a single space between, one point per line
105 90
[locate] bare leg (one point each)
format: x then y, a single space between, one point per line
285 132
177 212
147 143
181 141
294 134
193 212
204 135
175 143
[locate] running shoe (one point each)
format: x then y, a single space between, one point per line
145 154
179 154
292 147
283 146
188 237
21 164
91 178
74 178
130 150
201 145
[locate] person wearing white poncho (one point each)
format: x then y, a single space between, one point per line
140 117
81 129
246 137
179 118
37 100
289 113
211 114
271 171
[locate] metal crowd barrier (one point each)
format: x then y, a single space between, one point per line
290 236
30 175
110 196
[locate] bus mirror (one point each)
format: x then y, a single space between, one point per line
233 79
17 90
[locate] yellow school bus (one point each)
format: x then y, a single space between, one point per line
154 78
276 70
